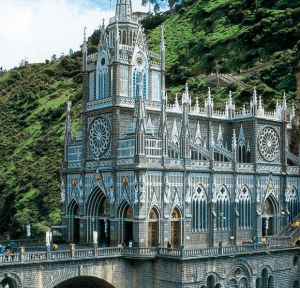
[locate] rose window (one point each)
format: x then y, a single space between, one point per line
268 144
99 136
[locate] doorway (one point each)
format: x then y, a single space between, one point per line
127 225
268 218
153 228
175 228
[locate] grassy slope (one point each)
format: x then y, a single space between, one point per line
202 34
233 36
32 106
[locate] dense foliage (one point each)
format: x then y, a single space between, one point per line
258 39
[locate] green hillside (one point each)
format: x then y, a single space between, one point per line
259 42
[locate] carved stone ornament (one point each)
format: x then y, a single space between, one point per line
99 136
268 144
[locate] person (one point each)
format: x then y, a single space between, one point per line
169 245
55 247
7 253
130 244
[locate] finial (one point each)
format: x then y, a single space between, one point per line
197 105
185 98
176 101
293 110
254 95
84 34
103 23
284 101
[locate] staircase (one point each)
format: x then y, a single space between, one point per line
291 232
224 79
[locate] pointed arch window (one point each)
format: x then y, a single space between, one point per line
102 77
199 210
292 202
223 209
244 208
138 77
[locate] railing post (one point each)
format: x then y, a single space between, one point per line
72 250
47 251
181 251
22 253
95 249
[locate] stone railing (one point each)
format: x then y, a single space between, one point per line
274 244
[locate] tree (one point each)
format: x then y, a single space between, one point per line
157 3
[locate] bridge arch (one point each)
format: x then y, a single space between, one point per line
10 280
84 281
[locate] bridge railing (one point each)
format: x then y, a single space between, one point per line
136 252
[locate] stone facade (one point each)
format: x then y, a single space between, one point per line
154 173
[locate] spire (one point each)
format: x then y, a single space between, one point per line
198 136
241 136
162 46
117 40
174 133
220 136
253 103
186 95
185 133
141 117
234 144
68 129
284 105
197 105
124 9
163 130
209 104
162 58
176 102
102 33
230 106
84 50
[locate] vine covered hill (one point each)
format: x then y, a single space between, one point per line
256 40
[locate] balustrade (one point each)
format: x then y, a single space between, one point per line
274 243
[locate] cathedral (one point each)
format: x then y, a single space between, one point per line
149 173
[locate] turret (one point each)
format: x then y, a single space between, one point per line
124 10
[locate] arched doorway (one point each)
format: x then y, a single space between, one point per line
74 222
98 213
153 228
84 281
268 218
8 283
126 223
175 228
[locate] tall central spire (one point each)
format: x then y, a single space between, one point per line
124 10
